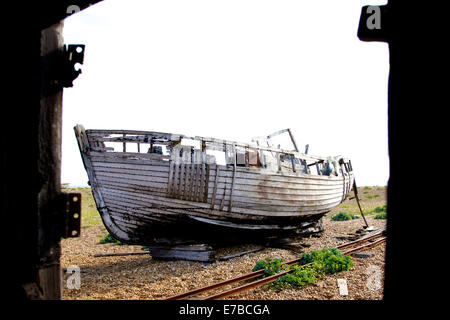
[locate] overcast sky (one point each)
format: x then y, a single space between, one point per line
231 69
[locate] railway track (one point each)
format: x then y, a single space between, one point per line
361 244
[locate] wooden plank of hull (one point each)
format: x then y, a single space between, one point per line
245 202
268 181
307 207
132 161
246 225
129 167
171 184
203 195
141 212
128 229
133 173
262 187
135 188
127 177
277 194
263 174
144 225
134 182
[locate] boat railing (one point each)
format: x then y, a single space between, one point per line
171 139
236 153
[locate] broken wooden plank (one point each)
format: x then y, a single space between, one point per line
363 255
97 255
215 188
171 182
232 182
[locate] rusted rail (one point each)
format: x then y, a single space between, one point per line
259 273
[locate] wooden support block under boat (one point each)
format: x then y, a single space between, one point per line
191 252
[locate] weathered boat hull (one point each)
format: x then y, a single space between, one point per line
141 196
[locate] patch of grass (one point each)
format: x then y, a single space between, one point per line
380 209
110 239
382 215
343 216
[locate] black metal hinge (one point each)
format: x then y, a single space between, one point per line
73 54
71 223
61 66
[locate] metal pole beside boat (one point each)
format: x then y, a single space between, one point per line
355 190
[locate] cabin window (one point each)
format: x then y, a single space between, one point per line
112 146
131 144
335 168
327 169
155 149
302 168
253 158
247 157
123 147
216 156
300 165
241 159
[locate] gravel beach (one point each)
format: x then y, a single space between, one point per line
139 277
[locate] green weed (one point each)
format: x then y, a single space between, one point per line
270 266
110 239
382 215
342 216
380 209
312 267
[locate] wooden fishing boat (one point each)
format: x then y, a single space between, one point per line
153 184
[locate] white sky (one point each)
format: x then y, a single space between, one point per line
231 69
